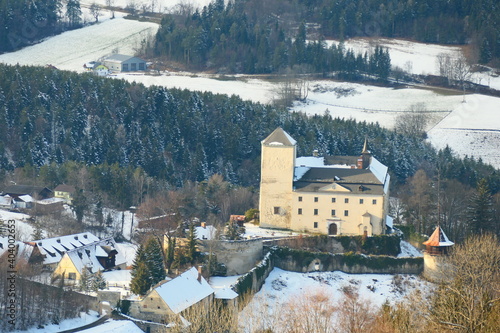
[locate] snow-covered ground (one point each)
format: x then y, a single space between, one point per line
84 319
23 229
408 250
283 290
252 231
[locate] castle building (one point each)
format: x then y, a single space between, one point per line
336 195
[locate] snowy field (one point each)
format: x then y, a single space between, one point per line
84 319
470 128
283 291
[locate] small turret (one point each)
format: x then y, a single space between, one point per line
364 159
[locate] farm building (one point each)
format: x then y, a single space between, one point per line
124 63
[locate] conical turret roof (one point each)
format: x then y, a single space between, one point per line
438 238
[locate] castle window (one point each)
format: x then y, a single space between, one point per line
300 199
346 213
374 201
315 211
276 210
346 200
333 200
315 199
333 212
299 211
361 201
315 224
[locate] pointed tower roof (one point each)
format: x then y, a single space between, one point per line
365 147
438 238
279 138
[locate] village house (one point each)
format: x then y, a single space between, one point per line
49 252
97 256
65 192
334 195
36 192
170 301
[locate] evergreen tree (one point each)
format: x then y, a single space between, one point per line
154 261
192 241
233 231
85 280
79 205
98 282
140 282
480 210
73 13
37 232
170 251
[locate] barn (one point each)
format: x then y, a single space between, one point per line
124 63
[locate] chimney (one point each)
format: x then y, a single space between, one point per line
199 273
204 225
315 153
360 163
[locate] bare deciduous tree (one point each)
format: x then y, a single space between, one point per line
95 11
414 121
468 299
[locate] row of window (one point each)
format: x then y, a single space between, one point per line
316 212
346 200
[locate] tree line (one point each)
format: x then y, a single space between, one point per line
266 37
227 38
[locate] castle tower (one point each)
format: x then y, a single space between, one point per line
276 183
437 247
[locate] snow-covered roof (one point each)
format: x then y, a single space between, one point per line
225 293
305 163
23 250
378 169
5 200
54 248
121 58
86 256
438 238
207 232
26 198
389 221
184 291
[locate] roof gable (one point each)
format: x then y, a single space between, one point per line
279 138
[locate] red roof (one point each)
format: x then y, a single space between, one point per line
438 238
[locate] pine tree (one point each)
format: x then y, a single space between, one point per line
37 232
85 280
232 231
480 210
74 13
192 240
140 280
98 282
154 261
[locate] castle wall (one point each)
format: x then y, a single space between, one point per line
239 256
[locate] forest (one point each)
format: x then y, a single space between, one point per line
267 36
226 39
